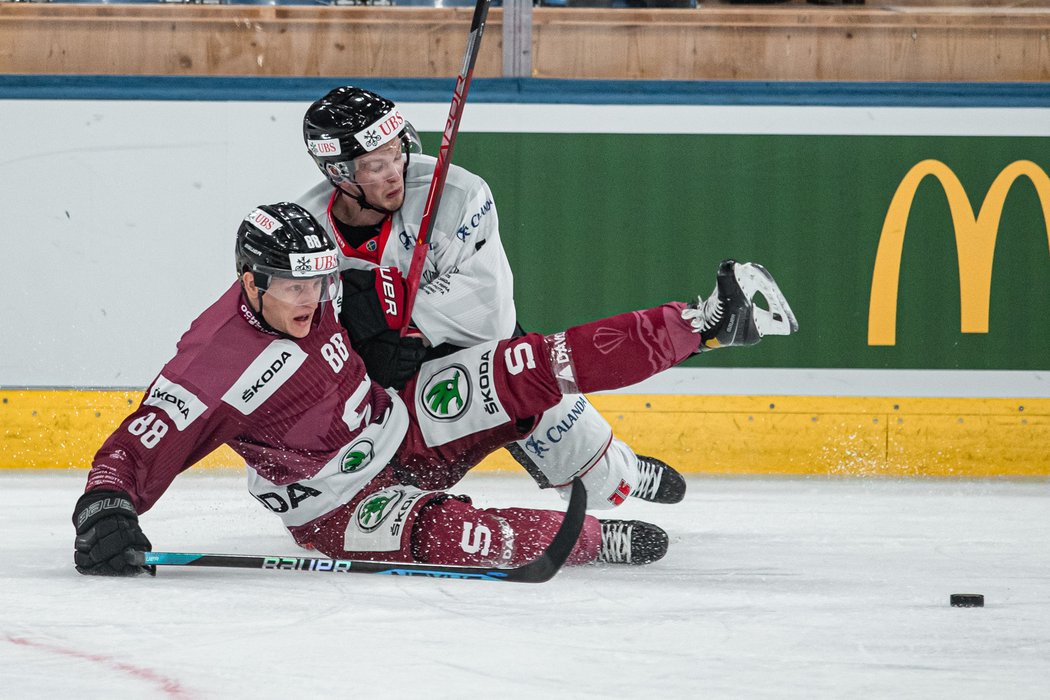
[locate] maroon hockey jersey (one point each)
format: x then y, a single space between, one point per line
308 421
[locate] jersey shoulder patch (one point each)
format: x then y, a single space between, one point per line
182 405
265 375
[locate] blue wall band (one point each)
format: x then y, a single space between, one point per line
530 90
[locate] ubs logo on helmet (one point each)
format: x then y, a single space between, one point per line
324 147
446 395
381 130
371 139
263 221
392 124
308 264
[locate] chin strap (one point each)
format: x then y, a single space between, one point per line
364 203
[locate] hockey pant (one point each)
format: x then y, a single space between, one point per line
574 440
391 521
469 404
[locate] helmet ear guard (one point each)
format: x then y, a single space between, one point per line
260 279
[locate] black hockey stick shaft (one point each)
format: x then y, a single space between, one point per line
444 159
542 568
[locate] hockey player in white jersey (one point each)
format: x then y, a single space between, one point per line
371 204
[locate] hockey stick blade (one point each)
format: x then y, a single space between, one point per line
541 569
779 319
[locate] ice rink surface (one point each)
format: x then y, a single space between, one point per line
778 588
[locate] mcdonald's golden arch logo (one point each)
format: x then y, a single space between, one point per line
974 243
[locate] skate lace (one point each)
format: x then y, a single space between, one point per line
706 314
649 476
616 542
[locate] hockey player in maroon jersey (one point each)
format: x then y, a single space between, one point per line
358 471
371 204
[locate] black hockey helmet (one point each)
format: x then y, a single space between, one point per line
349 122
284 240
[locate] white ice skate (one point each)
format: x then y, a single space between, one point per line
730 316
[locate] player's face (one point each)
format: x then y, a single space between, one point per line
289 304
381 175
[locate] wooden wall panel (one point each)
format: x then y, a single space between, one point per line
239 40
794 43
881 41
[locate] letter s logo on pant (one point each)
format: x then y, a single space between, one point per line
476 538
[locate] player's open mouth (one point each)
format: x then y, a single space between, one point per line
302 318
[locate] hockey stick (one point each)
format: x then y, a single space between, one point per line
540 569
444 159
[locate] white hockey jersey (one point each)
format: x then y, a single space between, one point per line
466 294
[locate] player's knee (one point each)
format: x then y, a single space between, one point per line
523 378
612 479
381 524
568 440
451 531
533 529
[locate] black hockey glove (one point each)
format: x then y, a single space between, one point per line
373 302
107 528
390 359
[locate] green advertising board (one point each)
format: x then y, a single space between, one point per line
598 223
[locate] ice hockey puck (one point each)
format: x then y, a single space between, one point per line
967 600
